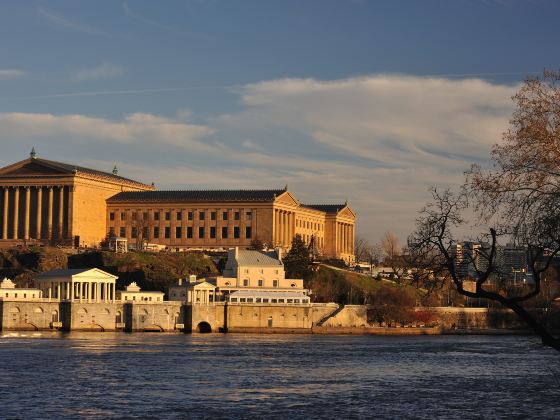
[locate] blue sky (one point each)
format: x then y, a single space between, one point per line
370 101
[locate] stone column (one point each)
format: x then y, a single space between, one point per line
5 215
39 211
61 213
89 292
16 213
50 214
50 290
97 291
70 210
71 290
58 291
27 213
112 292
275 227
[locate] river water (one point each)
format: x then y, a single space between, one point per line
89 375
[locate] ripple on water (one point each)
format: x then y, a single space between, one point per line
89 375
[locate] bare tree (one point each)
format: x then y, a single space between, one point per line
517 198
393 255
363 250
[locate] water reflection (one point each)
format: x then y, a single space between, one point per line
159 375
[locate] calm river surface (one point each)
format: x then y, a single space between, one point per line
87 375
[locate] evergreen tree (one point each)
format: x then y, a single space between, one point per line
298 262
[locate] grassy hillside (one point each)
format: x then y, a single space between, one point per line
152 271
330 285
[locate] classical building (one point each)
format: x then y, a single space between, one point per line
249 276
251 270
47 201
90 285
53 202
134 293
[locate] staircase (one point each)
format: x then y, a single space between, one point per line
332 314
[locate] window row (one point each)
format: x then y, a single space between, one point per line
260 283
178 215
305 224
268 300
156 232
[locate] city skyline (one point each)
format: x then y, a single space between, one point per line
370 102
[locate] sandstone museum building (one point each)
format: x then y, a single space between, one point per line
44 201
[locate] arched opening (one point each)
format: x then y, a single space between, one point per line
118 317
204 327
153 328
54 316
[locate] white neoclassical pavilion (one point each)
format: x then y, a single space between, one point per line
78 285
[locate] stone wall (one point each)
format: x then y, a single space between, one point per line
27 316
147 316
228 317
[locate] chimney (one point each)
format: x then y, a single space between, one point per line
180 282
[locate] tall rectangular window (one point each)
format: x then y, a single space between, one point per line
122 232
145 233
236 232
123 215
178 232
248 232
189 232
201 232
112 216
236 215
224 215
212 215
190 215
111 232
134 233
212 232
134 215
201 215
156 215
224 232
179 215
249 215
167 215
156 232
145 215
167 232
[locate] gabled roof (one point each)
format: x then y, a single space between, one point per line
327 208
71 272
247 257
196 195
27 167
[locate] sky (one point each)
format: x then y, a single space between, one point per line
361 100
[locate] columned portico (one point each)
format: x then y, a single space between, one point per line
81 285
22 212
5 214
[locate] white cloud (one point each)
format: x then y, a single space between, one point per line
10 73
102 71
377 141
136 129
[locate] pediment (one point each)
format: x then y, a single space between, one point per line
29 168
347 212
286 198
